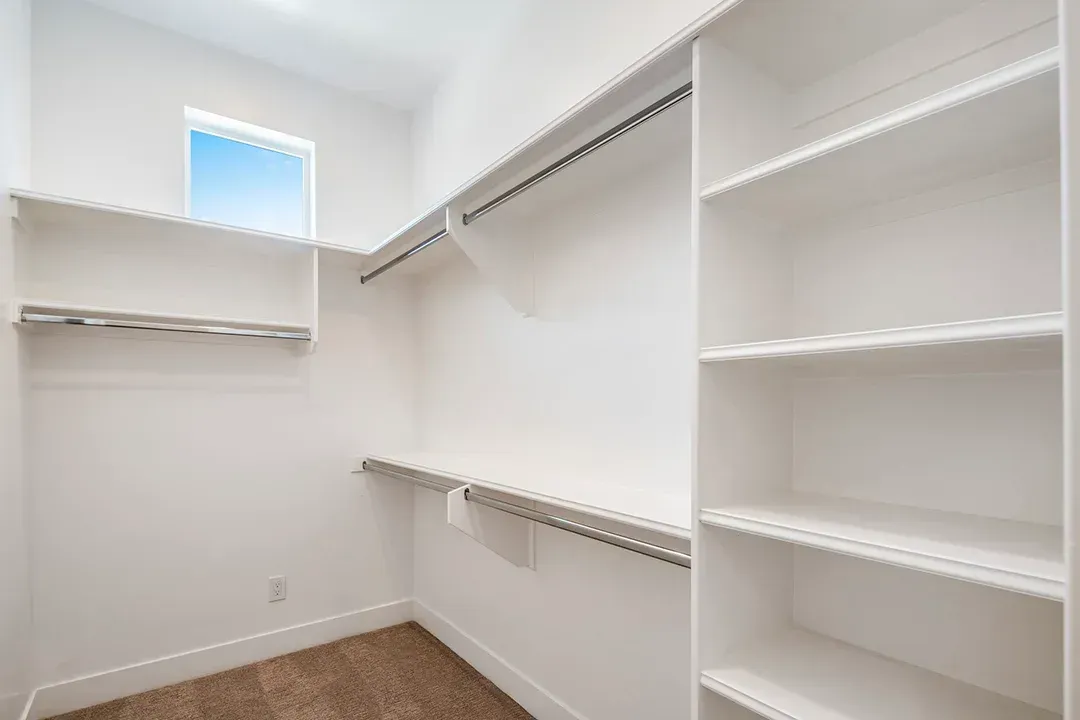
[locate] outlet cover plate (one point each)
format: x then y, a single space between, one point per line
277 588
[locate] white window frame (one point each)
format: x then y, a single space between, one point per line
230 129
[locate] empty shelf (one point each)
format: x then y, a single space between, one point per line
44 208
799 675
1018 556
1004 119
1025 341
35 312
565 485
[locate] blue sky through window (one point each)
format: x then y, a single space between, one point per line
240 184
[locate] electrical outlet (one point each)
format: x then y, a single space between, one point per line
277 588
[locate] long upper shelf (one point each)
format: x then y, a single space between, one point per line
1018 556
1025 340
659 72
559 485
799 675
1004 119
44 208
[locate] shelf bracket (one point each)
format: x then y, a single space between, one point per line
314 301
19 219
511 537
506 259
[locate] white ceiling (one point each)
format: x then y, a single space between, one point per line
394 51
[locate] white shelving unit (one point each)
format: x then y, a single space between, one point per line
531 407
38 208
803 675
494 251
878 444
1024 557
1024 339
908 150
558 485
177 275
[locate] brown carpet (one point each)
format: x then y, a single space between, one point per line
398 673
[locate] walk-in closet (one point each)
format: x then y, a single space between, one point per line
538 359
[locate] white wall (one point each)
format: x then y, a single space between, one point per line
556 54
172 479
602 367
15 651
108 103
603 631
602 371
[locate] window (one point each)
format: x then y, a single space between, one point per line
245 175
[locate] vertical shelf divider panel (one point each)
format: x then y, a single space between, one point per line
1070 42
693 351
315 258
877 443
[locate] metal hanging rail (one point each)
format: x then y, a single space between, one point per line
403 256
642 116
664 103
30 317
622 541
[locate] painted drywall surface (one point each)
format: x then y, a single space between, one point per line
191 472
601 368
602 371
556 54
604 631
15 650
108 103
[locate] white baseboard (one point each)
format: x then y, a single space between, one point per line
537 702
29 706
13 707
93 689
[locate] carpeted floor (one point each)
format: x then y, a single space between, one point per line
398 673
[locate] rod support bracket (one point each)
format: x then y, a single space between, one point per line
511 537
506 259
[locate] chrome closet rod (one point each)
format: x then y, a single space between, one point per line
375 466
622 541
166 327
626 543
664 103
403 256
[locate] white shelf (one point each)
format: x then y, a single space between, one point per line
664 69
1000 341
878 429
1018 556
44 208
1004 119
107 317
803 676
566 485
